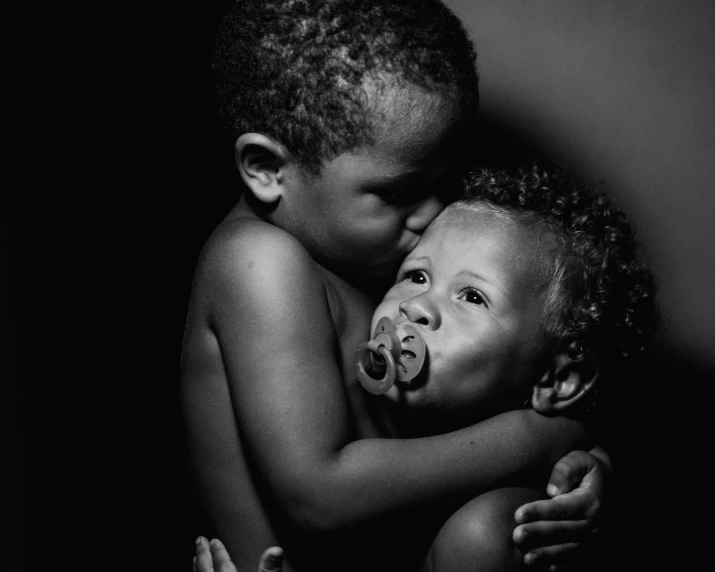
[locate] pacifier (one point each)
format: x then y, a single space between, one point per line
389 357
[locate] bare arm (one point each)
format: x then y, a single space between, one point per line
269 313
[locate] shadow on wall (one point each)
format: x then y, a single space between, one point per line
662 505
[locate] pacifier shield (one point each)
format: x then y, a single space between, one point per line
387 358
413 352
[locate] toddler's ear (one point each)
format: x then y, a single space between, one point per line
565 382
261 162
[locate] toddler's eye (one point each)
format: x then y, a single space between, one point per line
473 297
416 277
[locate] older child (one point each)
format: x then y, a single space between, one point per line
348 116
529 289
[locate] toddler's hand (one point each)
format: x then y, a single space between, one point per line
559 531
272 560
213 557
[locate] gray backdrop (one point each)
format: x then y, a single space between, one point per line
622 91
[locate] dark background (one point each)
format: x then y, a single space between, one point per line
116 175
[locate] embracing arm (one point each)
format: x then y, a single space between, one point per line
272 322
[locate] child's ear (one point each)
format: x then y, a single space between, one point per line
261 162
565 382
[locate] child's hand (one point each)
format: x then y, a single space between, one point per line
559 531
213 557
272 560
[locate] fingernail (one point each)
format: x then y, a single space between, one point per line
214 542
199 541
530 558
552 490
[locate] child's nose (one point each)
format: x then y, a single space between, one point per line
419 310
423 214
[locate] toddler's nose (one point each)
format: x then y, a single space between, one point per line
419 310
423 214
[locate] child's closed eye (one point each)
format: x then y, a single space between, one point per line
399 198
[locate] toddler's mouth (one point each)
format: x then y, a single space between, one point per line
390 357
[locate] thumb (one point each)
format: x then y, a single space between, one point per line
271 560
568 473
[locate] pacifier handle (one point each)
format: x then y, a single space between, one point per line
402 361
375 386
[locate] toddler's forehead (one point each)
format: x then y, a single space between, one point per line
521 248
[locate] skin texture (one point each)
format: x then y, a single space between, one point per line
284 449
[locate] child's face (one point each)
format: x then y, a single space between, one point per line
470 288
368 207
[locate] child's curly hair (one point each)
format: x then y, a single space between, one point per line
600 298
295 69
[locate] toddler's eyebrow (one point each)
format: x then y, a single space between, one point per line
493 284
415 259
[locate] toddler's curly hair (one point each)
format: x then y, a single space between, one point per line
295 69
599 297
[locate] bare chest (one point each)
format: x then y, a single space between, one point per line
351 312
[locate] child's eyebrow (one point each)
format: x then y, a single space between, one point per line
420 259
492 283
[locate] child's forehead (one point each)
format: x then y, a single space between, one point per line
479 228
414 122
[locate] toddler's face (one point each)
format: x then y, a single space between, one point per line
368 207
470 288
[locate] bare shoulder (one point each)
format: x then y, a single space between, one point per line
253 260
251 245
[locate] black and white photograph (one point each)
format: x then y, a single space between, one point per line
358 286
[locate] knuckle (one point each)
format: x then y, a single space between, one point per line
560 512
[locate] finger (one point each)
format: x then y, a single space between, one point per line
221 559
558 555
569 471
271 560
203 556
575 505
545 533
